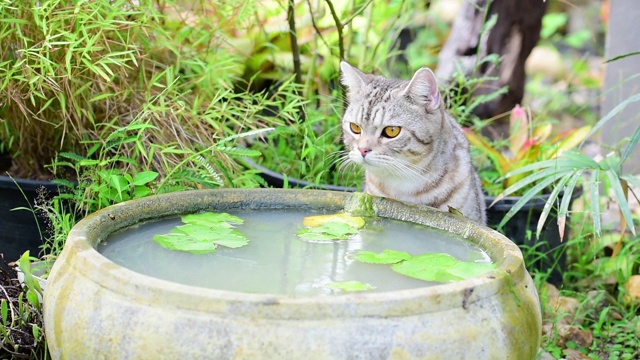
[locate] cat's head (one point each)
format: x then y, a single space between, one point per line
390 125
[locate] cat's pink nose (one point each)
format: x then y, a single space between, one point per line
364 151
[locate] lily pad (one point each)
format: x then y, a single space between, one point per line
319 220
351 286
210 218
175 241
328 232
439 267
385 257
330 227
203 233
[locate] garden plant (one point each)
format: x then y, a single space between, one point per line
119 100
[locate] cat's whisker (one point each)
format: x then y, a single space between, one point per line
402 167
336 157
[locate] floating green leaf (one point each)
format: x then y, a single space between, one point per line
180 242
385 257
318 220
351 286
438 267
330 227
210 218
328 231
428 267
203 233
466 270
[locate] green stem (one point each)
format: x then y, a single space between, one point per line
295 50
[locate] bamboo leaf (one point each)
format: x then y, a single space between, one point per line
566 201
246 134
530 194
550 202
580 160
534 177
238 151
611 114
631 180
631 145
594 190
558 164
616 184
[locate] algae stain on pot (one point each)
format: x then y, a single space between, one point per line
193 322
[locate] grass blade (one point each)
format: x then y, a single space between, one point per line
615 58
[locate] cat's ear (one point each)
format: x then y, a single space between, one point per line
423 89
352 78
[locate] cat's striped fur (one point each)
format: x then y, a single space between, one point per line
410 146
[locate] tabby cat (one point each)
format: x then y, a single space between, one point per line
411 148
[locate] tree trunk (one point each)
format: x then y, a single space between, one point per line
515 33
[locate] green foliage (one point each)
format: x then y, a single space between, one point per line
552 23
596 279
309 148
66 87
438 267
387 257
351 286
330 227
360 204
566 170
21 324
203 233
329 231
319 220
327 31
529 143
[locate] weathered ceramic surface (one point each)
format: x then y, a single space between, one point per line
97 309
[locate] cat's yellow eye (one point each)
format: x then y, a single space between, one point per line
391 131
355 128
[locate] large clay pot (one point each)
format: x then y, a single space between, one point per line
94 308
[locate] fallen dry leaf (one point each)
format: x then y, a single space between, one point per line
633 289
568 333
572 354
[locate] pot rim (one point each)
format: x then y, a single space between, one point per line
85 236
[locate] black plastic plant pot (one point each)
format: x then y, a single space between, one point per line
277 180
21 230
521 228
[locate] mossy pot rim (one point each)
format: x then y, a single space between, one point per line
91 230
